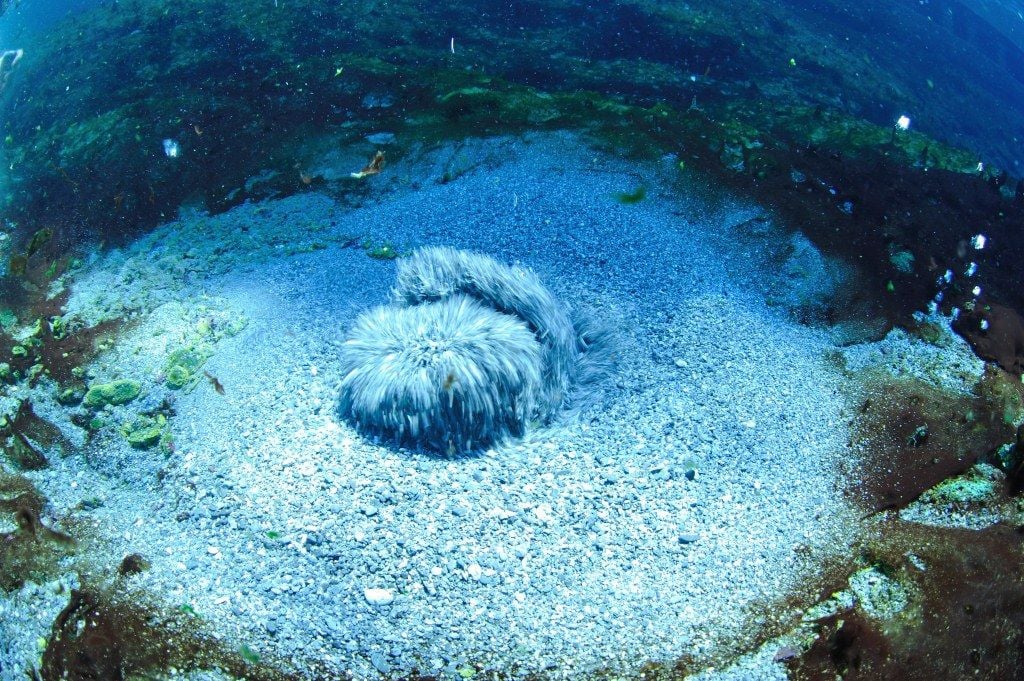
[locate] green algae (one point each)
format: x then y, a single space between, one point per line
631 197
976 485
178 377
248 654
7 319
58 328
143 432
182 367
114 393
70 396
384 251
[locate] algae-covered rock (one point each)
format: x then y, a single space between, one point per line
178 377
383 251
70 396
977 485
58 327
143 432
183 365
7 319
117 392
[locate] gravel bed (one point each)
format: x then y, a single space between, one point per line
699 488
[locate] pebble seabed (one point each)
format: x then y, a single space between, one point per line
668 517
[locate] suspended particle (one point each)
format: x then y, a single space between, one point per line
171 148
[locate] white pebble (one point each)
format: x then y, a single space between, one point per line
378 596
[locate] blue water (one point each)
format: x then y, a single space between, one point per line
24 19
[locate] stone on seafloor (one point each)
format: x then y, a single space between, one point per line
378 596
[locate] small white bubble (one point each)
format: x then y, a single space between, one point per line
978 241
984 325
971 270
976 291
903 122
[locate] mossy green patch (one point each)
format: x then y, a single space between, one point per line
143 432
178 377
70 396
629 198
182 366
116 392
7 319
248 654
974 486
384 251
58 327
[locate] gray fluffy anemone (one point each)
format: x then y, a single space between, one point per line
450 374
435 273
471 353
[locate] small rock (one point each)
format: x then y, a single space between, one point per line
378 596
379 663
688 538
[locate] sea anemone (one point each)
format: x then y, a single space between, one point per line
472 352
450 375
434 273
